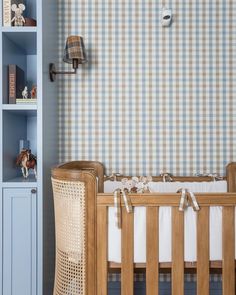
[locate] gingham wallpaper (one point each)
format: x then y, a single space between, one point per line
150 99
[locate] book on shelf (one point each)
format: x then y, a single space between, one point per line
6 13
26 100
16 82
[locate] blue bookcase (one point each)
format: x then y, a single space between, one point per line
26 205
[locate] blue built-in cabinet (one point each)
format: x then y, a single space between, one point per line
26 205
19 241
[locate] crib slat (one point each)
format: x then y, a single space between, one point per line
152 249
228 272
203 251
102 240
177 271
127 257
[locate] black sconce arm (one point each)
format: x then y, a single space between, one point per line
53 72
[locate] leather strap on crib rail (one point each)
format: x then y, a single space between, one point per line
118 194
187 198
166 177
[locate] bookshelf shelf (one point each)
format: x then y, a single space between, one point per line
20 181
18 107
19 29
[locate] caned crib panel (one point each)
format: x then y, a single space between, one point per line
152 250
203 251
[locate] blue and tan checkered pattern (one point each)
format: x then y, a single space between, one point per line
150 99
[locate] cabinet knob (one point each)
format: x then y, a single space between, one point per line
33 191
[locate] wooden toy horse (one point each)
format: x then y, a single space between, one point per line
26 161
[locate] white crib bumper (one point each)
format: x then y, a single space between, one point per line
114 234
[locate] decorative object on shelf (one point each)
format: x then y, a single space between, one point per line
25 93
136 185
25 99
26 161
18 19
30 22
6 13
33 92
74 54
16 82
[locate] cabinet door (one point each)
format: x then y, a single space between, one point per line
19 241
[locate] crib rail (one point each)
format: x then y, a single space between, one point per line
153 202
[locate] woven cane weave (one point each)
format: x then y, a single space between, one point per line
70 216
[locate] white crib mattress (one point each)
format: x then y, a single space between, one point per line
114 234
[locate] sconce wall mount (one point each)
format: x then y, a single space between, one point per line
53 72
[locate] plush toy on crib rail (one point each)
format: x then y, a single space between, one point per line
26 161
136 185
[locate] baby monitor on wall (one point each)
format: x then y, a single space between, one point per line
166 17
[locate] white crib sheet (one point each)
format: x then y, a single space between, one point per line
114 234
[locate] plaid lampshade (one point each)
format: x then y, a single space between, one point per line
74 50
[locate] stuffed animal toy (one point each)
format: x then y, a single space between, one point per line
33 92
18 19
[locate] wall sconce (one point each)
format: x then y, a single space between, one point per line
74 54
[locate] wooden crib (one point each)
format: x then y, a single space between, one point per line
97 204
